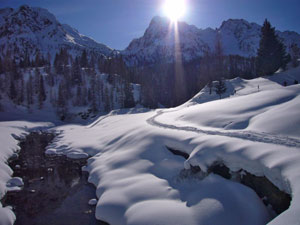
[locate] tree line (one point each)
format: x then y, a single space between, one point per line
65 83
74 80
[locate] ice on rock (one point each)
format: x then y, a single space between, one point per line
50 151
93 201
15 181
77 155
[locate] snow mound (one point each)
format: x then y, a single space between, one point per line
139 181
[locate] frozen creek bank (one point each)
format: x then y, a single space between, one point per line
55 189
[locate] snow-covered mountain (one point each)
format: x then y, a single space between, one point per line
162 41
30 30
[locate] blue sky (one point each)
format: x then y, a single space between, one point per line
116 22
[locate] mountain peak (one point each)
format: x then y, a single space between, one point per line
28 30
238 37
159 20
232 24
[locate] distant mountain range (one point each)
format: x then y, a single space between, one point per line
31 30
237 37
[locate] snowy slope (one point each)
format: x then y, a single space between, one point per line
237 37
238 87
256 115
140 182
30 29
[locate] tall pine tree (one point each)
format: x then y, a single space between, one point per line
295 55
41 92
220 87
271 54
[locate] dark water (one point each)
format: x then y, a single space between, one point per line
56 191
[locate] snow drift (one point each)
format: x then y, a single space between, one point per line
139 181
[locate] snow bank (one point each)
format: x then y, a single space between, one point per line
139 181
9 133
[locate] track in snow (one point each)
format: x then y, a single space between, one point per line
246 135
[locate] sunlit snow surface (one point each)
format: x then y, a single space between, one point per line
138 180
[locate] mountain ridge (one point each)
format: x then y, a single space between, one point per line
28 30
237 36
32 29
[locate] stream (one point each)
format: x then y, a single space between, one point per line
55 192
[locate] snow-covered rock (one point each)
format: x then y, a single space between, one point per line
15 181
93 201
50 151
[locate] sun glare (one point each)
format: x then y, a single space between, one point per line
174 9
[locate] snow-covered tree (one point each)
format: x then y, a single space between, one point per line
220 87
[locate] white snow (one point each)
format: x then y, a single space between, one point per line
77 155
138 181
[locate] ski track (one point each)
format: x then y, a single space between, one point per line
246 135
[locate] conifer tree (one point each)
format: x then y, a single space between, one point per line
271 54
29 92
62 108
1 107
219 57
12 90
38 60
295 55
107 105
220 87
1 66
21 92
129 99
76 72
42 94
83 59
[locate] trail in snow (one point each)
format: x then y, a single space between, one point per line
246 135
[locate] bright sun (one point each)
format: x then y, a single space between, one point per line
174 9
